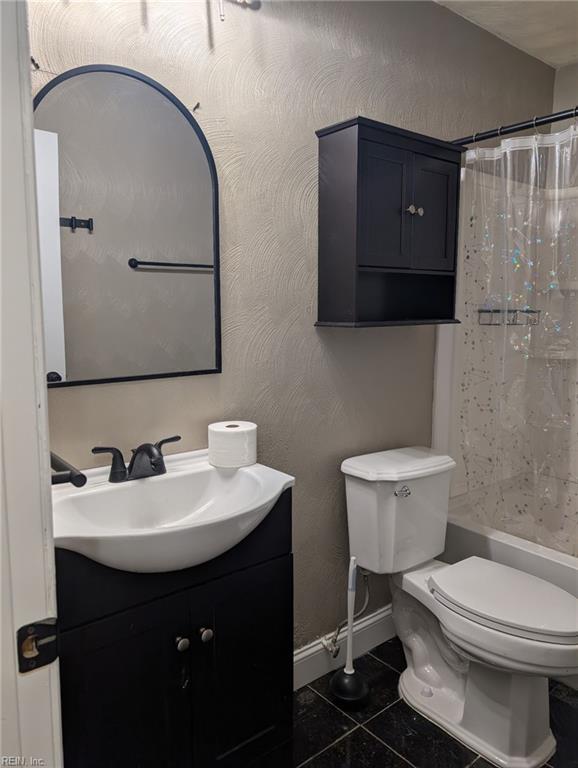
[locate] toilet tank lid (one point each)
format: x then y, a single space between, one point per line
398 464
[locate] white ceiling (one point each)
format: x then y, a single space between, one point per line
546 29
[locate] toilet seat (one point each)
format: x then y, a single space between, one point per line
497 646
507 600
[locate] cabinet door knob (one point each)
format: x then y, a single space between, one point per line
206 634
420 211
411 209
183 644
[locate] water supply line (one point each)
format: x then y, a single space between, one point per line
330 643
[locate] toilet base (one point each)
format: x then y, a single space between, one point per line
503 716
443 709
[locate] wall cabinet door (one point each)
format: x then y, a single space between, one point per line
384 194
247 707
435 190
126 690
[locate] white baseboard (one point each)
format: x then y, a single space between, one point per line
312 660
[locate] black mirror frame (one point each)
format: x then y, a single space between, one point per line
216 260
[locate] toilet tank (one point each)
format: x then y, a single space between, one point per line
397 507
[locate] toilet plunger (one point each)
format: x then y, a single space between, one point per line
348 686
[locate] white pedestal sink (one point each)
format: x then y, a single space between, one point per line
190 515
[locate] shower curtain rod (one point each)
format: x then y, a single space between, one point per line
504 130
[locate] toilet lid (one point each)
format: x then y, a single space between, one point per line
507 600
397 464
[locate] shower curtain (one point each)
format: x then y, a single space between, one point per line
515 435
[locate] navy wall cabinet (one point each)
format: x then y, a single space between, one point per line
388 212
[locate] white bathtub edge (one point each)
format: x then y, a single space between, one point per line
465 538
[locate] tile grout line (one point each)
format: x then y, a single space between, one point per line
343 712
381 741
329 746
381 711
448 733
328 701
385 664
363 725
359 725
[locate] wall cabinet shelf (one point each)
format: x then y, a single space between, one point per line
188 669
388 220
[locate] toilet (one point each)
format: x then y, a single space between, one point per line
481 639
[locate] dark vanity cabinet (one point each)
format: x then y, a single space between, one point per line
186 669
388 212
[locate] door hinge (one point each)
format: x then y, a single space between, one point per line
37 644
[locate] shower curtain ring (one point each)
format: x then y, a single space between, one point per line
536 132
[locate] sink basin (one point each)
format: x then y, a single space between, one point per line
190 515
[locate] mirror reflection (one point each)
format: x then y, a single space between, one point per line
127 198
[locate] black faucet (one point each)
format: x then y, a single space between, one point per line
63 472
147 461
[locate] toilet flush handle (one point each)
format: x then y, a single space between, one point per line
403 492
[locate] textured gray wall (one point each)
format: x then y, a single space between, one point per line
266 79
565 92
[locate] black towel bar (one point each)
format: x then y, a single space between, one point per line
63 472
137 264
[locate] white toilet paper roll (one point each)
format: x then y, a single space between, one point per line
232 444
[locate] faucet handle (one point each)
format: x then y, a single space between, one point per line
118 473
173 439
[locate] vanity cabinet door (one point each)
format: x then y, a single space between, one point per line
434 225
384 194
247 706
192 680
126 689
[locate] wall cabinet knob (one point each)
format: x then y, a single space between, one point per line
206 634
411 209
420 211
183 644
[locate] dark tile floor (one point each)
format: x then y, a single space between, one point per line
389 734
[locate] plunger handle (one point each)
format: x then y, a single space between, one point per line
351 583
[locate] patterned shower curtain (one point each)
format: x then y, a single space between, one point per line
515 434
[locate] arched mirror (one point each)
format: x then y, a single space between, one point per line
129 235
